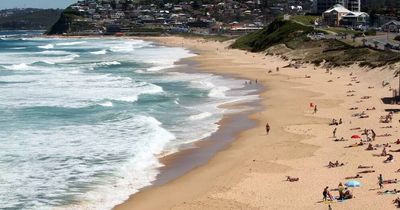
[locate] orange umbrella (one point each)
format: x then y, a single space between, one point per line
355 137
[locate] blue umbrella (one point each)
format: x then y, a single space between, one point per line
353 183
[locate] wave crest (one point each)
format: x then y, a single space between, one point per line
101 52
200 116
48 46
21 66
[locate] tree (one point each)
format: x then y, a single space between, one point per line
364 41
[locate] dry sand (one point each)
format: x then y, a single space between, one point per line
251 173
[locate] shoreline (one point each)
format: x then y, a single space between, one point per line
250 173
192 155
135 201
197 153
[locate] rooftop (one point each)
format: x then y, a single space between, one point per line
338 8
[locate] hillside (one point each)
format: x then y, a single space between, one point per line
278 32
28 19
64 23
289 40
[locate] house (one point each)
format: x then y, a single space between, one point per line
355 19
380 19
392 26
334 15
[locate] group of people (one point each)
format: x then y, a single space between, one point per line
344 193
250 82
369 134
387 118
367 137
384 153
334 164
336 122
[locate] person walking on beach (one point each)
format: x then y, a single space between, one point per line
334 133
326 194
267 128
373 134
380 181
315 109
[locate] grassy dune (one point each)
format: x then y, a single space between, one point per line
289 39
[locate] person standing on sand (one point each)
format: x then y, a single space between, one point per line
329 207
334 133
373 134
380 181
341 190
315 109
267 128
325 194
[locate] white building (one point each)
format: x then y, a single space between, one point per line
339 15
333 15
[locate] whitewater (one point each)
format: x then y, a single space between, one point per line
84 121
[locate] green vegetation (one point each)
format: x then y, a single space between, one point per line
61 26
28 19
338 30
288 39
68 22
347 55
278 32
219 38
370 32
305 19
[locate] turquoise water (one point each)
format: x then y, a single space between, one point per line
84 121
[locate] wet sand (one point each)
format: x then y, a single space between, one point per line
250 173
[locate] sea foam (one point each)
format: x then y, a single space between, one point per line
22 66
89 139
70 43
47 46
101 52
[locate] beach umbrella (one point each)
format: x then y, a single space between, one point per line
353 183
355 137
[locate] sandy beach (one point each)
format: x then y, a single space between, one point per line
251 172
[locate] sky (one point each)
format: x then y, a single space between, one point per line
6 4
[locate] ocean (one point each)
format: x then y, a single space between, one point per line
83 122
